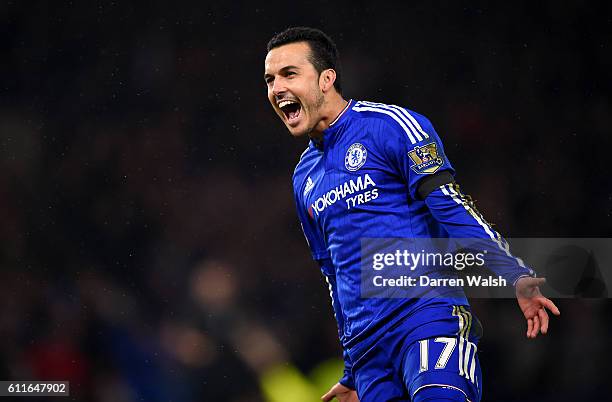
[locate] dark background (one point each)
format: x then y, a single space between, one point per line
149 249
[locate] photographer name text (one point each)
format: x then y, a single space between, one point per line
424 280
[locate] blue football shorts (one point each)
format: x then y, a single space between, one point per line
444 368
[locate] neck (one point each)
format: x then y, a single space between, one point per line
330 110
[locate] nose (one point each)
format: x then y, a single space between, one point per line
278 88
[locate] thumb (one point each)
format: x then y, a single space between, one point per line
528 282
329 395
337 389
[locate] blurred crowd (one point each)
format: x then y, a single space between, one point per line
149 249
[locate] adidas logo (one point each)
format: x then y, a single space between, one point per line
309 185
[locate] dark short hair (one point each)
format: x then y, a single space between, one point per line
323 51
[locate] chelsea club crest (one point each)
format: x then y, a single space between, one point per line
355 157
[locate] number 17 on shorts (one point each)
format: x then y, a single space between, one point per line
445 362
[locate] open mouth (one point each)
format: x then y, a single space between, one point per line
291 109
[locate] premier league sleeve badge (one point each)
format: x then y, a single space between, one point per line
426 159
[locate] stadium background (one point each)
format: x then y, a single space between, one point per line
149 249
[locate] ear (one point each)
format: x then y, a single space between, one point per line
327 79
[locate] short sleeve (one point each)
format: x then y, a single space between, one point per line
415 149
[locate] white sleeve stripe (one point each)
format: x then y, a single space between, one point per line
397 113
304 153
453 195
405 113
416 123
486 227
390 114
304 233
331 294
400 113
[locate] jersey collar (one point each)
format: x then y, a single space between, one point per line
340 115
334 126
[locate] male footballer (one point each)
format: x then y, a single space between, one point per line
373 170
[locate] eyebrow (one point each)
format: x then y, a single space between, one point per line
284 69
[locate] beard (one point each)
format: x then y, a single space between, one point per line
314 110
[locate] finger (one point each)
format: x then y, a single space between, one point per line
543 320
329 395
551 306
536 326
529 327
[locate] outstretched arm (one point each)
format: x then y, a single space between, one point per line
432 179
460 218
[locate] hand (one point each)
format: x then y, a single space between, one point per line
534 305
344 394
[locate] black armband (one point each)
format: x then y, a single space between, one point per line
430 183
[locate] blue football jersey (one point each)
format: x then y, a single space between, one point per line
362 181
